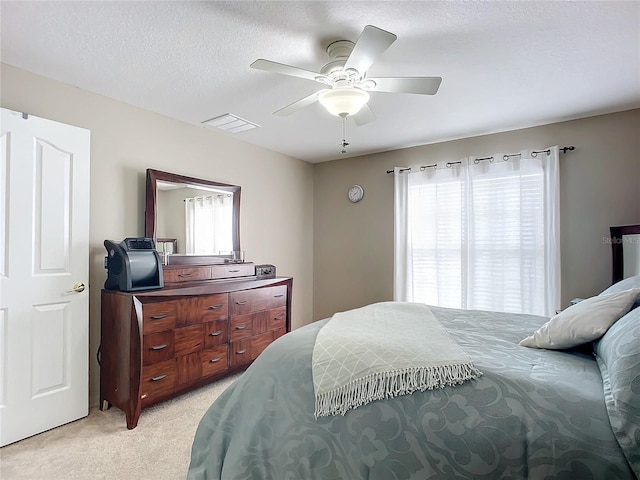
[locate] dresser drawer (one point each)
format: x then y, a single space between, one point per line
187 274
277 296
233 270
157 347
249 301
157 381
260 342
216 333
189 339
213 307
240 353
241 326
215 360
277 318
158 316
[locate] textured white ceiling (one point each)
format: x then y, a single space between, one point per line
505 65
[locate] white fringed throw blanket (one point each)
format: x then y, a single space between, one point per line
380 351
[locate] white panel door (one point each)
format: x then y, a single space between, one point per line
44 272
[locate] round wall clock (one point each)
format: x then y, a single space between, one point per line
356 192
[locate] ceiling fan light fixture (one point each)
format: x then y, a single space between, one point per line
343 101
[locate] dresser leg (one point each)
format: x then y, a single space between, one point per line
132 421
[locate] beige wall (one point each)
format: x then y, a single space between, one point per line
353 243
276 203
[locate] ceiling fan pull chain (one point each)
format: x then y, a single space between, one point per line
344 135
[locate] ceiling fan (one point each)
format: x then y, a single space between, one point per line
345 77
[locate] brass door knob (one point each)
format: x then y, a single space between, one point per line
77 288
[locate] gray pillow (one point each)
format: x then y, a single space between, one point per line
618 357
625 284
583 322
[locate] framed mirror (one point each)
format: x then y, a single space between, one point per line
625 244
192 219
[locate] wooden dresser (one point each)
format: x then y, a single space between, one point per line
201 327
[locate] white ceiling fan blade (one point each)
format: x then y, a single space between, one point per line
364 116
298 105
372 42
418 85
275 67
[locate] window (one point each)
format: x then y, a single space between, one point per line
480 234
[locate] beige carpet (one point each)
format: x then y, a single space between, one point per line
100 446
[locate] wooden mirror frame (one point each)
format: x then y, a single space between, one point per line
617 244
150 219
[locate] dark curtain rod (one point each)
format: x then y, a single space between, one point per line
535 153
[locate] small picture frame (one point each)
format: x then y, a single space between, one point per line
167 245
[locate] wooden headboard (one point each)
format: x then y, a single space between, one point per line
617 244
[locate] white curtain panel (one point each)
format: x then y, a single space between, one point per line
482 233
208 224
401 237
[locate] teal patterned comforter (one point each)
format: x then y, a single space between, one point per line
535 414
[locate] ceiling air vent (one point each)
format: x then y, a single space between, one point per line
230 123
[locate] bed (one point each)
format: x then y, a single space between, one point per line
534 413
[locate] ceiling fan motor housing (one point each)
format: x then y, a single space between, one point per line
339 53
340 49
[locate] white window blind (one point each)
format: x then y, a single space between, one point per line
482 234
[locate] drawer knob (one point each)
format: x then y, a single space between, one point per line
240 352
215 307
159 347
280 295
158 317
184 274
241 327
158 378
279 317
215 360
234 271
241 302
216 333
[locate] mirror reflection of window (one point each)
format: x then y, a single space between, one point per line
631 255
200 220
208 221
